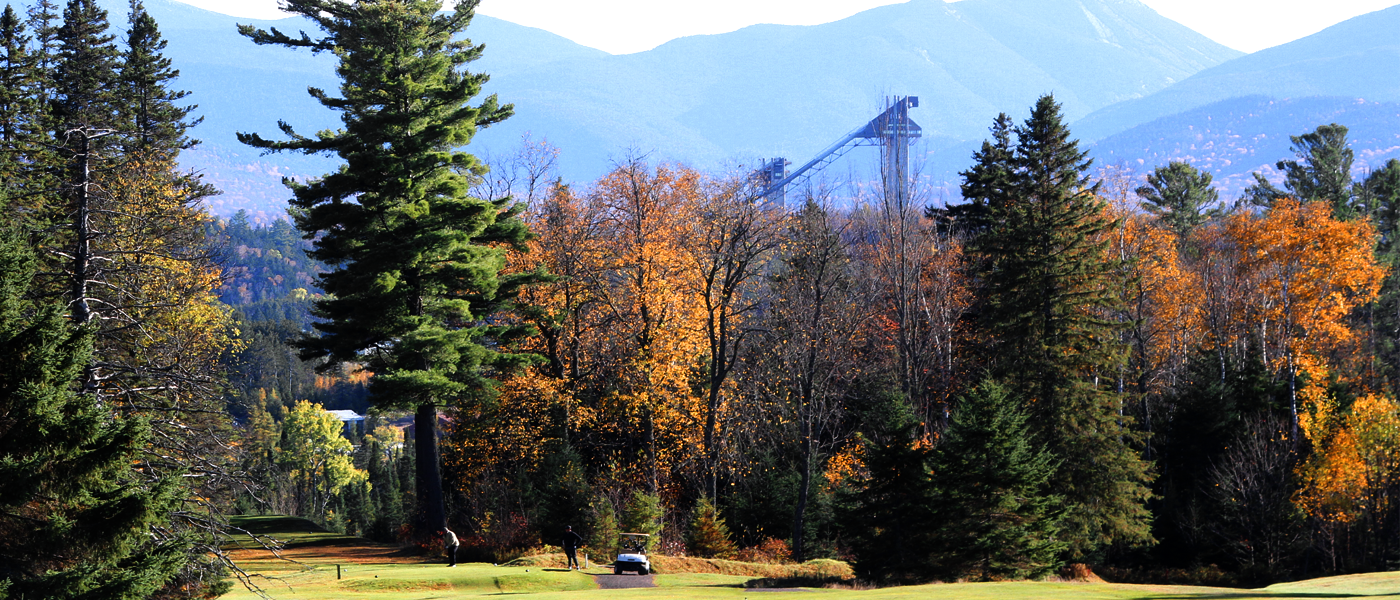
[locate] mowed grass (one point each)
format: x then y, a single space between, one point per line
375 572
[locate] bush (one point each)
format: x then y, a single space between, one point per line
770 550
707 537
643 515
602 532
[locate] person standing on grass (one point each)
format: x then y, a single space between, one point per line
572 541
449 541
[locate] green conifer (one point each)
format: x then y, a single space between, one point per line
603 530
643 514
151 118
1046 290
414 260
1322 173
85 71
707 536
891 521
1180 196
995 517
19 83
75 517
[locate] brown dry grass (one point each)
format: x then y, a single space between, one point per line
368 553
820 569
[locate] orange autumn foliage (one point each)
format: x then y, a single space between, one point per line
1309 271
1161 301
1356 459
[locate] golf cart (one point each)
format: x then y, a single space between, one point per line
633 556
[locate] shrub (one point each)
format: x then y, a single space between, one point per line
770 550
643 515
707 537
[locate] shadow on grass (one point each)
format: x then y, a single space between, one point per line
296 533
1263 594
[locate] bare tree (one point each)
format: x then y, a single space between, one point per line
1258 524
814 326
729 244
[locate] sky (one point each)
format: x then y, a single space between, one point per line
626 26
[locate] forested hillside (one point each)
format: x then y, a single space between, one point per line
1076 367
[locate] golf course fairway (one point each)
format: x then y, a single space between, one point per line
374 572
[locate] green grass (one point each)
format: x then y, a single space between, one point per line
415 582
314 578
293 532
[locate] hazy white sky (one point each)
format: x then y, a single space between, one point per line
623 26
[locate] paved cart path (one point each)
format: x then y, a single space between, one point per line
621 582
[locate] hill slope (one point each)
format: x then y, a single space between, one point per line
1355 59
1233 138
240 86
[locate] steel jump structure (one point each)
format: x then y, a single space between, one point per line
893 131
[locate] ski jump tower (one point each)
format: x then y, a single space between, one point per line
893 131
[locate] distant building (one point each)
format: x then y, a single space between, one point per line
354 422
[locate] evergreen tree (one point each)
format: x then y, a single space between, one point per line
151 119
1209 409
1381 192
707 536
37 175
414 259
83 115
44 19
995 519
76 523
643 514
603 529
1046 286
1322 173
1180 196
19 99
991 176
891 521
85 73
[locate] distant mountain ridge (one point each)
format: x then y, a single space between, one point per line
761 91
1234 138
768 90
1357 58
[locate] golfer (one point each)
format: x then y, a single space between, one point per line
572 541
449 541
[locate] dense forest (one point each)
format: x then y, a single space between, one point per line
1071 365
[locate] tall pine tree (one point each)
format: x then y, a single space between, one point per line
1045 293
1180 196
1322 173
20 85
415 260
152 119
83 112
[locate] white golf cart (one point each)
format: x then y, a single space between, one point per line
633 556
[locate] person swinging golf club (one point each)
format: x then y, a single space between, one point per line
450 544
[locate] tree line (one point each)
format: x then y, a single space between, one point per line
114 431
1069 366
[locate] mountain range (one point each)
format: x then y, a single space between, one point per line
1140 87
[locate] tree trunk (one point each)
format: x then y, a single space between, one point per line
711 451
82 233
432 513
799 520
